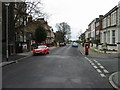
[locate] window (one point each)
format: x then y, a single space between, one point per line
104 23
97 32
108 36
104 37
113 36
108 21
101 39
97 24
113 18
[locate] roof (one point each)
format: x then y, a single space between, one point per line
112 10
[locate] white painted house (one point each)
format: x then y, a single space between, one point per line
109 30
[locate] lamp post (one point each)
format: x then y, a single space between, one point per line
7 5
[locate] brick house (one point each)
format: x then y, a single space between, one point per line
98 27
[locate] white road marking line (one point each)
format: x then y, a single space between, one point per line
98 70
95 67
92 64
87 58
106 71
99 64
102 75
102 67
96 61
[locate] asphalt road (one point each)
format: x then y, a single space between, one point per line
64 67
110 64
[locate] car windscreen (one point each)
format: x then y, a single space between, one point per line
41 47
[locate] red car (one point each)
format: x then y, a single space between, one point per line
43 49
61 44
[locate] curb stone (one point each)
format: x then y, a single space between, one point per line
112 81
15 61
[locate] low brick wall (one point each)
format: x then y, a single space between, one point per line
109 47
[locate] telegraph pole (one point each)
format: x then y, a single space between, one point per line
7 5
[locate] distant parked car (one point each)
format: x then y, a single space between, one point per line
62 44
74 44
42 49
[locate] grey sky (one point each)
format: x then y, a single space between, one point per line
77 13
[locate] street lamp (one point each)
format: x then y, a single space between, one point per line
7 5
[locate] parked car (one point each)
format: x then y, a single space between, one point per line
62 44
42 49
74 44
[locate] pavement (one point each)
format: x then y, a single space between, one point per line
97 53
17 57
113 78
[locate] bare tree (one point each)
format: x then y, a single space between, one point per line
79 33
35 9
65 30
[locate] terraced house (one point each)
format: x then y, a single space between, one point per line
108 34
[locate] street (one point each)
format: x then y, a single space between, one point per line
64 67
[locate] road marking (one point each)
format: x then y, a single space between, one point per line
102 75
92 64
95 61
99 71
99 64
101 67
106 71
87 58
95 67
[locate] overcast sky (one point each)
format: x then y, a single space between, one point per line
77 13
